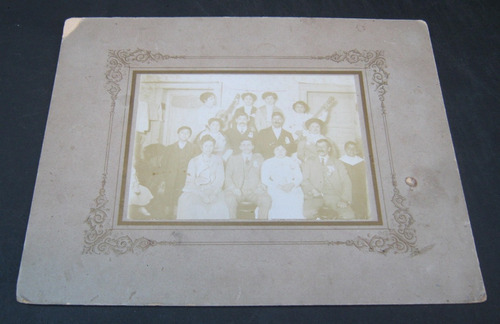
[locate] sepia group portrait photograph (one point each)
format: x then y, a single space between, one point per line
247 147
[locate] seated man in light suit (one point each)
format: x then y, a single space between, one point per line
242 183
326 184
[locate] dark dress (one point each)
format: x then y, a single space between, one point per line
357 173
151 173
175 171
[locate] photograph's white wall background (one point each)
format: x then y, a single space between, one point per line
167 96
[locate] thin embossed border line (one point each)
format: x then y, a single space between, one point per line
99 238
357 74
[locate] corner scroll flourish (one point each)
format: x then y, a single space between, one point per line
402 238
98 239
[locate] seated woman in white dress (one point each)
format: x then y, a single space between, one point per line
282 176
202 196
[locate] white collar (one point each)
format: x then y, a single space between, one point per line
246 156
276 131
351 160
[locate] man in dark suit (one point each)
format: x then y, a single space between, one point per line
326 184
177 156
273 136
242 182
151 172
239 131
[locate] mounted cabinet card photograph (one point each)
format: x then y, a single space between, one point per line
255 149
247 161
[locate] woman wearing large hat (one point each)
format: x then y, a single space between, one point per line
265 112
306 148
248 107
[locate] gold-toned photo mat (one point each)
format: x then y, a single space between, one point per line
125 174
398 236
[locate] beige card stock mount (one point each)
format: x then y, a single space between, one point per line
122 83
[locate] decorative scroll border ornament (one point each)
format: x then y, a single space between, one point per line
98 238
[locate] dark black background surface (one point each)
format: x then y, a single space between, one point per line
465 39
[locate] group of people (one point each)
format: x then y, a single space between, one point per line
283 167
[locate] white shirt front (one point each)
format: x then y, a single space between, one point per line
269 112
246 157
248 110
351 160
181 144
242 129
277 132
